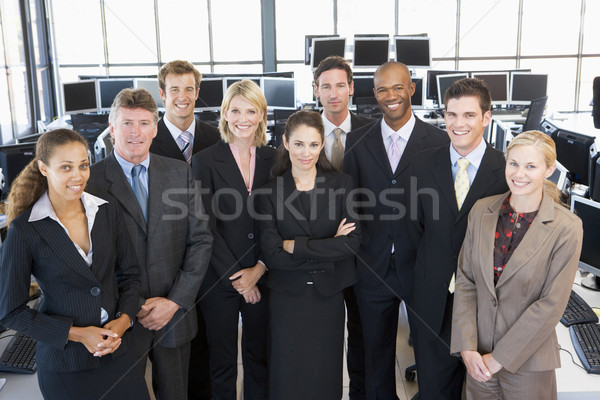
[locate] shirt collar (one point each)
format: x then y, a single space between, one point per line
473 157
175 131
126 166
403 132
43 207
506 209
346 126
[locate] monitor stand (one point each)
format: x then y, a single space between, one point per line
592 282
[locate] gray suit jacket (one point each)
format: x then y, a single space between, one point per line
515 320
174 247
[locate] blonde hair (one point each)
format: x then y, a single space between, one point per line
30 184
546 146
250 92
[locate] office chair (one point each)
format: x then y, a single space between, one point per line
596 108
535 114
278 129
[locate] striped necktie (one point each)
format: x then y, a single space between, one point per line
185 144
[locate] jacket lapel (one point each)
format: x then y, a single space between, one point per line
121 190
227 168
165 143
536 236
374 143
157 182
443 176
417 142
289 200
488 226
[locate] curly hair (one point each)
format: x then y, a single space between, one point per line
30 184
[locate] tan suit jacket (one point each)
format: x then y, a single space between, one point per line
516 319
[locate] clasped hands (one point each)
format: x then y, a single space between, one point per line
481 368
101 341
244 281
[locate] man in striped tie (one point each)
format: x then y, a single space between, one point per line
449 180
180 135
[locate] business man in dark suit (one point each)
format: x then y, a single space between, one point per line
333 86
169 228
378 157
440 210
179 87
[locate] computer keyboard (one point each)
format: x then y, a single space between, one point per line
578 312
586 341
507 111
19 355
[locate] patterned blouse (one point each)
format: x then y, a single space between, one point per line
510 230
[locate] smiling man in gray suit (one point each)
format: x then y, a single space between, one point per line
171 237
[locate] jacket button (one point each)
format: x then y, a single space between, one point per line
393 181
494 302
95 291
251 236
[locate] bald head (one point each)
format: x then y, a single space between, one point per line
393 90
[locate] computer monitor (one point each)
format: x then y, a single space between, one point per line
497 82
13 159
108 90
573 151
308 42
417 100
211 94
322 48
279 92
151 85
525 87
432 88
444 82
80 97
559 177
230 80
371 51
414 51
589 212
501 134
363 90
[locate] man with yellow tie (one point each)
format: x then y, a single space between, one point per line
448 181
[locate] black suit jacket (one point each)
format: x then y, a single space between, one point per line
174 246
318 256
438 228
226 198
383 212
357 121
73 292
163 144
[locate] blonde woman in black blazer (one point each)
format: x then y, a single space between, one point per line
229 172
309 238
79 253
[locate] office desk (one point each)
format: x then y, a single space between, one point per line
573 382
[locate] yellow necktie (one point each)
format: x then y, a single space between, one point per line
337 150
461 182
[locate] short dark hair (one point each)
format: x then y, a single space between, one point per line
133 98
332 62
470 87
178 67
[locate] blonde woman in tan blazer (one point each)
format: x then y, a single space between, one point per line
511 293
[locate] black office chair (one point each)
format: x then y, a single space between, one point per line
535 114
596 108
277 131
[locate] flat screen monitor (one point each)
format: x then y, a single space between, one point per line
363 90
108 90
444 82
525 87
559 177
80 97
498 84
573 151
414 51
280 93
230 80
308 42
322 48
371 52
13 159
432 88
211 94
417 100
589 212
501 135
151 85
